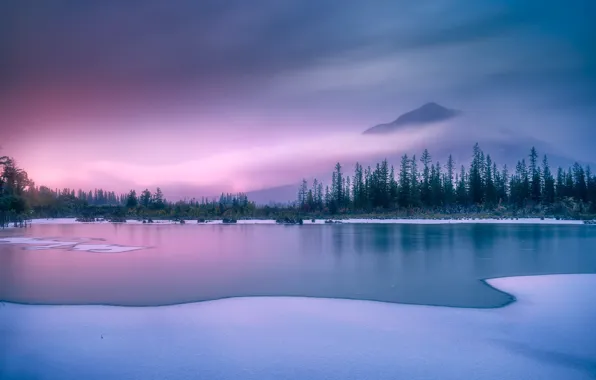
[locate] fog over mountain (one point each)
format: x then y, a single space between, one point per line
426 114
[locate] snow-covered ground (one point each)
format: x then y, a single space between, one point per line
549 333
463 221
348 221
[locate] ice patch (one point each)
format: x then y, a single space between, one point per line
104 248
548 334
34 244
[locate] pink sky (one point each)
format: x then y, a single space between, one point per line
192 160
200 97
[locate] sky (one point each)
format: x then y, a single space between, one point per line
200 97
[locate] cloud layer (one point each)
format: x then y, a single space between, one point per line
182 84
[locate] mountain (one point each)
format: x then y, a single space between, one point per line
428 113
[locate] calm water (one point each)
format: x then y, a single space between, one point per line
422 264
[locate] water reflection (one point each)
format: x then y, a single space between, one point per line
432 264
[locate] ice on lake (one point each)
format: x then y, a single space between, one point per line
34 244
549 333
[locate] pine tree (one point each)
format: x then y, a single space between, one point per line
490 189
302 194
448 182
347 197
503 185
425 191
405 191
569 184
477 190
414 183
393 189
328 198
560 187
358 188
535 184
320 201
386 174
524 192
437 196
309 200
548 190
315 195
158 200
338 192
591 187
580 189
146 198
368 188
461 191
131 200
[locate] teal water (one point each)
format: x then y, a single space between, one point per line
419 264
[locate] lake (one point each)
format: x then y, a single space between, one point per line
171 264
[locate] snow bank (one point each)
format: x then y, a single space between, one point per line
54 221
548 334
464 221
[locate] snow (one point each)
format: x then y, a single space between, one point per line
54 221
547 334
346 221
464 221
35 244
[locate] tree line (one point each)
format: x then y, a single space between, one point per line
21 199
417 187
421 186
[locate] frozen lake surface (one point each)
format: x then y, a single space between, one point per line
165 264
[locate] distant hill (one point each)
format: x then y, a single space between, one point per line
275 195
428 113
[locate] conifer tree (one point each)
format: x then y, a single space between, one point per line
425 191
462 191
414 183
548 190
405 191
448 182
490 189
476 185
535 182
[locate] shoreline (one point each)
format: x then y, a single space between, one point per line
419 221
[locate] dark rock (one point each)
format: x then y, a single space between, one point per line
85 220
287 220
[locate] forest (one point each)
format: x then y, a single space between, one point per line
417 188
421 187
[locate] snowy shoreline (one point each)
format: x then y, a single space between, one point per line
549 221
544 335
